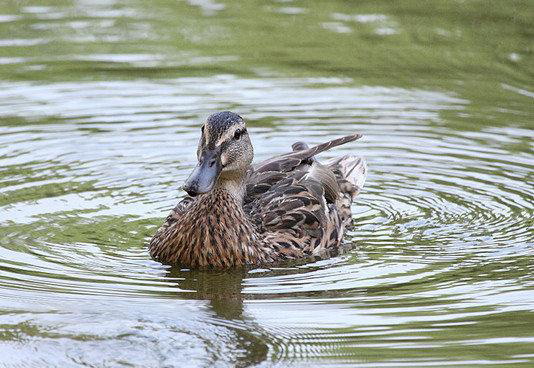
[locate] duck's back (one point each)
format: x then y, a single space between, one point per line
300 206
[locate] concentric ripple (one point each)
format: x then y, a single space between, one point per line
100 106
444 218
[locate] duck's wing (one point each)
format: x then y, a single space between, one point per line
268 173
291 213
296 201
301 155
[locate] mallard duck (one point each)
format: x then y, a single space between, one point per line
236 215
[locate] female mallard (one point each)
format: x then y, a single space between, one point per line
287 207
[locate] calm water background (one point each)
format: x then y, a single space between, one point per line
100 107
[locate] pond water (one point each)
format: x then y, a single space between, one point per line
100 108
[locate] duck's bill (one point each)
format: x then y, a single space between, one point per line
204 176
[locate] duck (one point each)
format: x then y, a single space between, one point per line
237 214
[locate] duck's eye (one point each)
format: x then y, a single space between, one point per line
238 134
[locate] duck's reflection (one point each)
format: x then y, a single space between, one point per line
223 291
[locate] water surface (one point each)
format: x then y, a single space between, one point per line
100 108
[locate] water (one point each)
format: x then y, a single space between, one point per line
100 108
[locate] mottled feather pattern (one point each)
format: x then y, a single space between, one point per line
197 238
292 207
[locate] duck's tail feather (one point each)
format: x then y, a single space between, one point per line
352 168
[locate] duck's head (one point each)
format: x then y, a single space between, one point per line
224 153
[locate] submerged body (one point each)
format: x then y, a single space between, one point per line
235 215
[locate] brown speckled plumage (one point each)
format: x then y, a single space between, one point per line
287 207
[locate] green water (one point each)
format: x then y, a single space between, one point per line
100 105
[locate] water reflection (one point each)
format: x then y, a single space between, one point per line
223 292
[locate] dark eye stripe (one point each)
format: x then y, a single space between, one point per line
239 132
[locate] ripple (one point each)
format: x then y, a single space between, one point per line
88 170
100 105
427 184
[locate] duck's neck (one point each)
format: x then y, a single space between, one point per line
233 185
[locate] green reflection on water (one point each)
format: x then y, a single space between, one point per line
441 270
